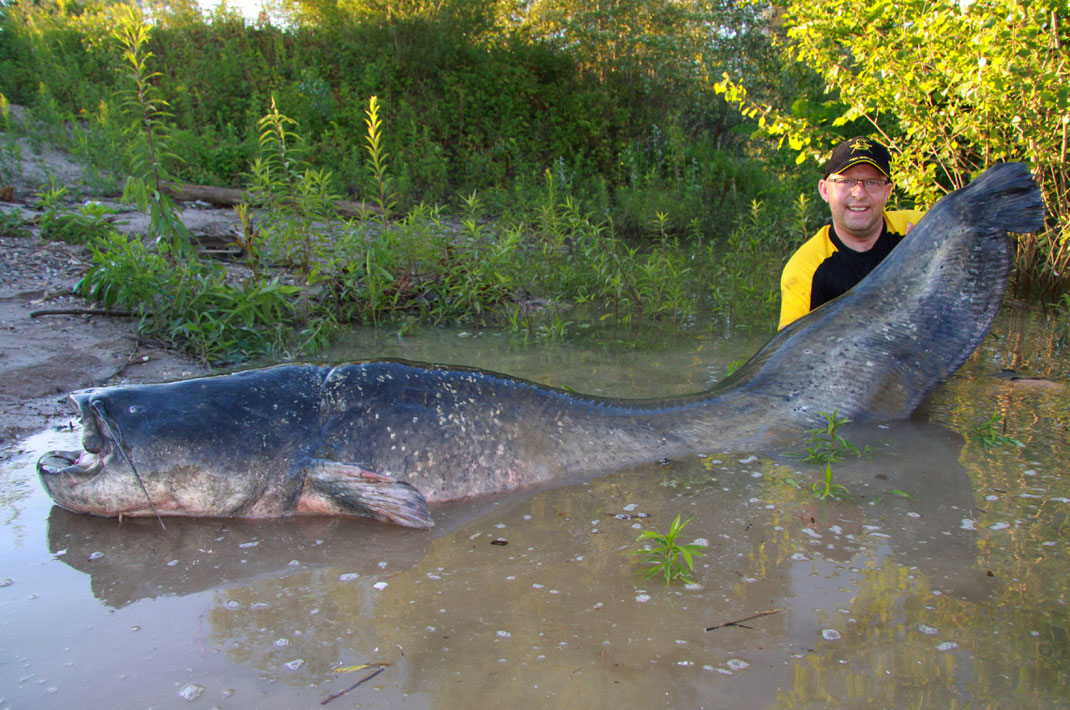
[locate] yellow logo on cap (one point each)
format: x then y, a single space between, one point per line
862 144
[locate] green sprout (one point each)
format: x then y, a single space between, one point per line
669 559
826 445
827 489
986 432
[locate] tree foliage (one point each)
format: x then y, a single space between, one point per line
480 94
951 87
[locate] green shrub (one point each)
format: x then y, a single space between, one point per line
90 222
191 304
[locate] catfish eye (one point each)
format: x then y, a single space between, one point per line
132 409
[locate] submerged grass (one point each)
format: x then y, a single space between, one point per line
992 432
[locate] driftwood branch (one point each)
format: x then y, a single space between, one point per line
360 682
81 312
230 196
739 622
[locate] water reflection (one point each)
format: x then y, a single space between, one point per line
137 559
953 596
595 360
563 611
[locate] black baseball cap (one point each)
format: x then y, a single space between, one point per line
859 150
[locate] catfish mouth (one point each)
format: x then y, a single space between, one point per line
73 467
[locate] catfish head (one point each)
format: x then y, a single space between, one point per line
239 445
219 446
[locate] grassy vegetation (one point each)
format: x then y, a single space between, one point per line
483 200
509 154
422 266
475 98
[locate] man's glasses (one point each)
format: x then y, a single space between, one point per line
870 184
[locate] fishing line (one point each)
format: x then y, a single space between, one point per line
116 435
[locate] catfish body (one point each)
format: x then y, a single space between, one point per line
388 438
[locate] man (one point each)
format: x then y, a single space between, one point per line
856 186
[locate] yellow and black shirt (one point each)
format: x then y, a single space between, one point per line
824 267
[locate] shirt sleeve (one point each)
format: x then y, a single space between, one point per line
794 297
797 279
899 219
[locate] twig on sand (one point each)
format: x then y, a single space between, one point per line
739 622
131 359
360 682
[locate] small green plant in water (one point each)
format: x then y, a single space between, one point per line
825 488
826 444
733 366
669 559
1062 318
556 328
890 492
986 432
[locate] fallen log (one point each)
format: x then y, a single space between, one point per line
230 196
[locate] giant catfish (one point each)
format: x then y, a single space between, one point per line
386 438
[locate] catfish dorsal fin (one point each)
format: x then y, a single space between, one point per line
332 487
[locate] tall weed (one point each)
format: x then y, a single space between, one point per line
146 132
298 200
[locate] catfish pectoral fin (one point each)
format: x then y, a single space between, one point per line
338 488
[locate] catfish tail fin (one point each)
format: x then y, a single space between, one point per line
1005 197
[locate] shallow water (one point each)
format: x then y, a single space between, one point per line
955 596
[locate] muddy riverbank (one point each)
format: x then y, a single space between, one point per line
43 356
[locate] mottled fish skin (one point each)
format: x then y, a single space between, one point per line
455 432
385 438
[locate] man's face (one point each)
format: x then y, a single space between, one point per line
856 211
